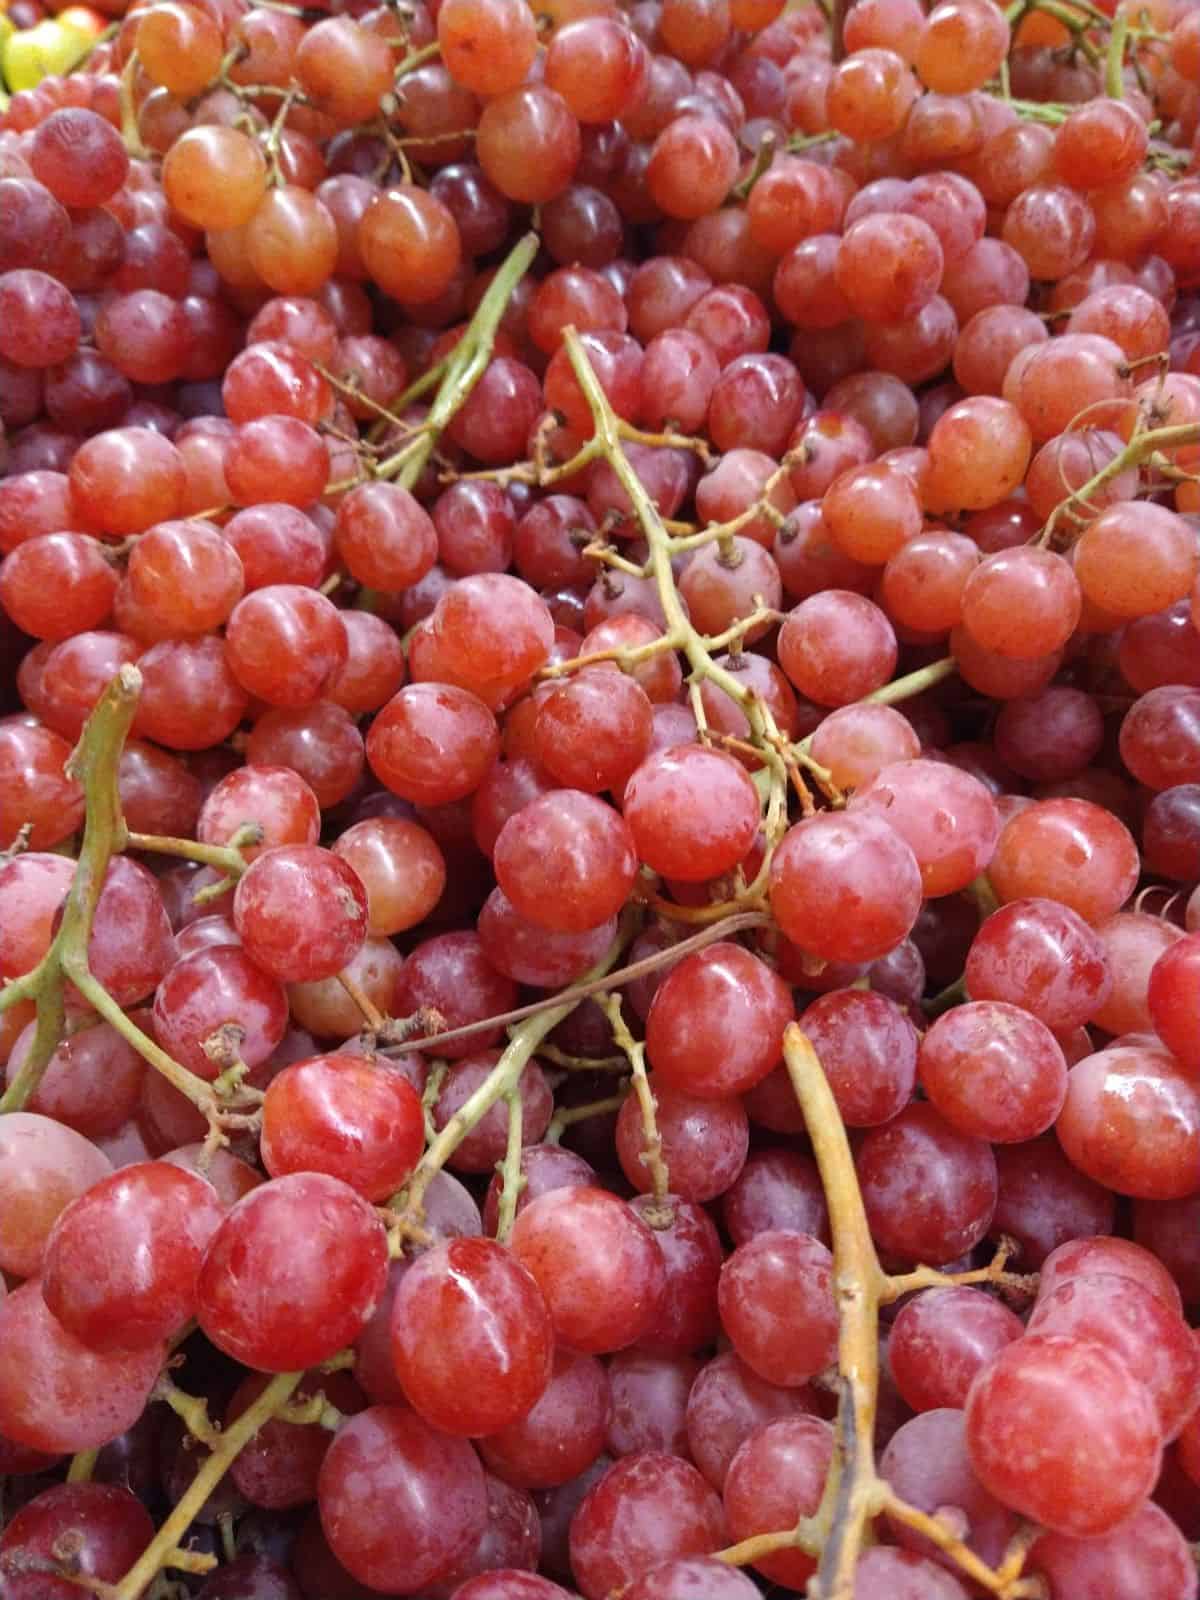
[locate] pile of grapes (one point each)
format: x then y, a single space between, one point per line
600 800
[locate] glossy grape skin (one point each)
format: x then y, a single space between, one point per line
716 1023
284 643
334 1114
845 887
926 1463
1132 1322
728 1402
293 882
1021 603
596 1263
776 1189
777 1306
528 118
91 1083
888 266
712 804
56 1395
35 788
450 973
566 861
1068 850
105 1528
929 1190
941 1338
433 743
1158 738
1083 1257
1171 980
492 633
32 579
215 988
686 1318
647 1508
125 480
510 1583
122 1262
529 954
43 1167
704 1142
592 730
472 1340
994 1072
1039 954
316 1256
692 1578
946 817
399 1501
32 887
868 1051
1098 1444
1145 1554
275 798
1133 942
837 646
1131 1121
563 1432
775 1477
1169 838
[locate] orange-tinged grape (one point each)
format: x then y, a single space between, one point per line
179 47
345 69
978 452
1102 142
1022 603
215 177
292 241
410 244
1134 559
692 166
962 45
487 45
528 143
870 94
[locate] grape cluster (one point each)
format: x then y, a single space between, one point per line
600 800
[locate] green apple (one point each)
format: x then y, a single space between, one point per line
35 53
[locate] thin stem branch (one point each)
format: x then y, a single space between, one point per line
635 1050
725 929
502 1080
83 1464
95 762
1114 64
159 1552
567 1116
225 858
857 1493
512 1179
464 366
859 1283
1139 450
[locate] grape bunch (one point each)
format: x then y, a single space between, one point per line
600 799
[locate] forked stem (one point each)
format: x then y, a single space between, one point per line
861 1286
503 1080
464 366
225 1450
